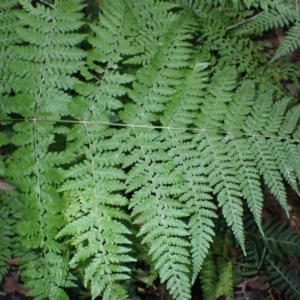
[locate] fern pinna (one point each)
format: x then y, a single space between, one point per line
131 121
275 14
272 255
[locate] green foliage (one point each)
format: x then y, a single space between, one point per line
268 254
284 278
147 122
40 67
275 14
281 241
218 270
290 43
7 222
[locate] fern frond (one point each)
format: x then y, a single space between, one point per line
48 60
8 37
225 283
144 12
284 163
36 87
209 277
221 175
9 22
110 40
146 42
212 21
286 7
169 71
279 239
95 183
239 108
268 20
276 117
276 14
217 271
148 275
150 92
96 224
290 43
214 109
250 265
7 223
290 122
249 177
258 119
293 151
160 215
198 202
180 111
267 167
133 127
283 277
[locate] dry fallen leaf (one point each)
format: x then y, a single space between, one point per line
13 261
6 186
11 284
257 284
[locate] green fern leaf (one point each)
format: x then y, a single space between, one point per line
142 122
290 121
8 37
157 90
180 112
225 284
292 152
250 179
221 175
290 43
258 118
196 199
209 278
267 167
277 116
35 87
215 108
283 161
239 108
283 277
280 240
160 215
94 204
147 41
7 235
268 20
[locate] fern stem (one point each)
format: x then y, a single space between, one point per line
280 138
243 22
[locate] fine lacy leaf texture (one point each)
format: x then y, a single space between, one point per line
276 14
130 122
40 64
284 278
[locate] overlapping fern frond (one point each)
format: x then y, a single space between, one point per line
271 255
217 272
268 20
275 14
145 127
278 239
283 277
290 43
40 63
8 37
